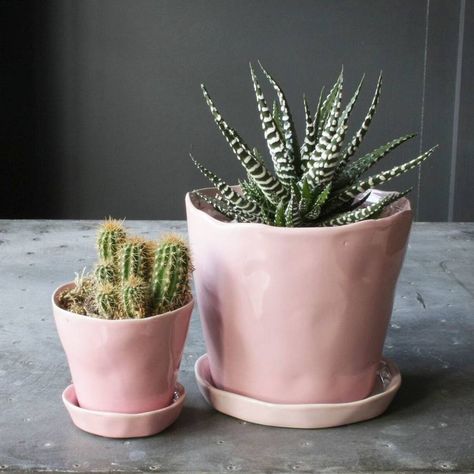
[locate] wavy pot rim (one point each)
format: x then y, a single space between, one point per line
83 317
400 207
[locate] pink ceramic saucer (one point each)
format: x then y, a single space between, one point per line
316 415
123 425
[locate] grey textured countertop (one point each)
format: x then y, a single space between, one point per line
429 426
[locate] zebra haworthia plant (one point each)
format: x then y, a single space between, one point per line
134 277
317 183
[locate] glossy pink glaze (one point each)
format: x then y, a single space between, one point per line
296 315
123 366
123 425
307 415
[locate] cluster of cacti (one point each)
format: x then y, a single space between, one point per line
315 184
134 277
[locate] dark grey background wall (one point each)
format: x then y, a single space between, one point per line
100 100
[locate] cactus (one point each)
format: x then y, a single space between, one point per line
134 259
109 240
170 276
135 297
105 273
134 278
314 185
107 300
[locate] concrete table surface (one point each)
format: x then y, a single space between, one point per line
429 426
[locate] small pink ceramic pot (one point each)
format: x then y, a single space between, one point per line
125 365
296 315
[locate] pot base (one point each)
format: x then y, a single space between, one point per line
123 425
317 415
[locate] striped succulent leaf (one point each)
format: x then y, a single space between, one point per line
253 194
292 213
323 112
280 220
276 114
226 191
310 135
346 207
216 204
362 213
319 111
318 204
326 166
240 215
359 135
349 193
227 209
307 197
286 120
326 153
282 162
347 111
267 182
356 169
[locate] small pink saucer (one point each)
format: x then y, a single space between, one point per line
123 425
317 415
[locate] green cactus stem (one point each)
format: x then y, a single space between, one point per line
135 294
105 273
134 259
109 240
107 301
170 276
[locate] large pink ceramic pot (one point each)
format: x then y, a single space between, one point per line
296 315
125 365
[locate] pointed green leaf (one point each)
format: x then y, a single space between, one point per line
307 197
292 214
217 205
280 214
253 194
326 152
276 146
347 194
356 169
310 135
325 160
327 105
286 121
227 208
276 114
270 186
235 198
318 204
362 213
359 136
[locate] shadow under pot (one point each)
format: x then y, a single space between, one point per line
296 315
